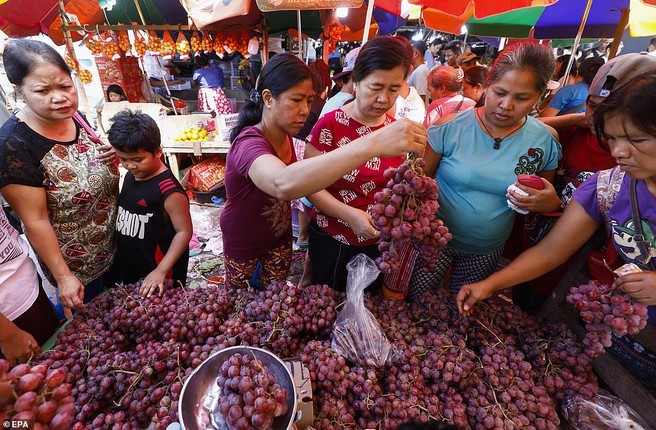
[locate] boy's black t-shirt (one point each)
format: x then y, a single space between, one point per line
143 231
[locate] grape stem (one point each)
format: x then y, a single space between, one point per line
503 411
493 333
136 380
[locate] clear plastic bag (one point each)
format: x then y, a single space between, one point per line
206 221
602 412
356 334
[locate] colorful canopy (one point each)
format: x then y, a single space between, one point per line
20 18
559 20
450 15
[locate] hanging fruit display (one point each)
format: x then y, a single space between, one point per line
231 43
140 45
244 38
154 43
218 44
71 62
195 43
93 44
110 46
167 48
333 35
182 46
236 40
124 42
206 44
85 76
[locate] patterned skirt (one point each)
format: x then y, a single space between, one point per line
213 99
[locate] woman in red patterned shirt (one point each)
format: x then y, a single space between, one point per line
341 226
262 173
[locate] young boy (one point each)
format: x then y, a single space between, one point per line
154 227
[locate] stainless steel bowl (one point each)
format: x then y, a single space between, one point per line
197 408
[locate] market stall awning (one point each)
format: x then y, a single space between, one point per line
560 20
21 18
172 12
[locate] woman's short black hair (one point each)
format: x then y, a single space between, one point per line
380 53
476 75
279 74
21 56
634 102
203 60
563 60
116 89
131 131
320 76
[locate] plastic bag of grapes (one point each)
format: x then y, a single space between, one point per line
602 412
357 335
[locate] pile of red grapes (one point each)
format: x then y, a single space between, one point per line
36 395
406 210
124 359
498 368
250 397
606 311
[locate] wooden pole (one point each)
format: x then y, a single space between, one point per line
161 70
84 101
265 48
300 34
141 15
572 57
156 27
619 32
326 19
367 21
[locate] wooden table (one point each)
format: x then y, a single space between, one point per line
191 147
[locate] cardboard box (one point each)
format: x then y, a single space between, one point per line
303 384
206 175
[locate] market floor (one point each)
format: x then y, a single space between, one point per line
206 259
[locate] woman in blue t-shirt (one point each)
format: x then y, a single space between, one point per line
477 155
571 98
210 88
627 119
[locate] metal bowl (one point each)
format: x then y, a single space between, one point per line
198 405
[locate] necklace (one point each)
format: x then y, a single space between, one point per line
497 140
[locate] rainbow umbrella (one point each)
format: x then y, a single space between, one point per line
559 20
450 15
388 16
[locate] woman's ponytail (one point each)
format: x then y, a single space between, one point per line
249 115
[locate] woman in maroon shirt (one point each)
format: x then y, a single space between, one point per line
262 173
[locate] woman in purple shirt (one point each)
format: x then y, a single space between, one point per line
627 119
262 174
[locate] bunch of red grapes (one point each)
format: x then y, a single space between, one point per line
605 312
406 210
124 359
35 395
250 397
